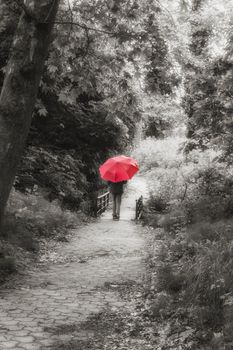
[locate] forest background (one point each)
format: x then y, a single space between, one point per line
153 74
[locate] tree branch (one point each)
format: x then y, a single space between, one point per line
185 192
87 28
87 43
71 17
71 12
83 26
71 23
49 13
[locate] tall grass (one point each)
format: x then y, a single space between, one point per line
194 193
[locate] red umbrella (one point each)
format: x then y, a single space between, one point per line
118 169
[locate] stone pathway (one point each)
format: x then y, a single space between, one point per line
68 292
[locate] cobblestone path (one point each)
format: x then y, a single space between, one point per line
70 290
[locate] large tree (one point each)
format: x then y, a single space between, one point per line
208 76
20 86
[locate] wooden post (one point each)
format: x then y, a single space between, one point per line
139 208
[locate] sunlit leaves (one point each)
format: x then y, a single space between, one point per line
40 108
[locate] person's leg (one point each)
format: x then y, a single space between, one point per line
118 204
114 206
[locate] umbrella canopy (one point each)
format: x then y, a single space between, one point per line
118 169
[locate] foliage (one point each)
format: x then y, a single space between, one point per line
9 16
168 281
163 154
193 265
162 115
207 99
31 215
101 64
7 266
158 204
56 172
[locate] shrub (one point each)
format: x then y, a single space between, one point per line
202 231
182 249
58 173
209 279
169 281
18 232
210 316
157 203
152 153
193 194
211 208
174 220
161 305
31 214
7 265
150 219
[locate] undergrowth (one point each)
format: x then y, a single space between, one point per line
37 215
191 207
30 218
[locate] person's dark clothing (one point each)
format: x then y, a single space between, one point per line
116 187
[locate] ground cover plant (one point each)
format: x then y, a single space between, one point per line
190 208
31 224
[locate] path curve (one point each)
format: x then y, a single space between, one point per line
69 291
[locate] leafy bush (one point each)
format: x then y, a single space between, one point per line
161 305
193 193
152 153
210 279
203 231
7 265
19 233
211 208
150 219
59 175
30 217
174 220
31 214
157 203
169 281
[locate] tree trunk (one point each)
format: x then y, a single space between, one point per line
8 25
20 87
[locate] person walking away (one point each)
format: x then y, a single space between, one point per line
116 189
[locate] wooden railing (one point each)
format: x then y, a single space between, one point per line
139 208
102 203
